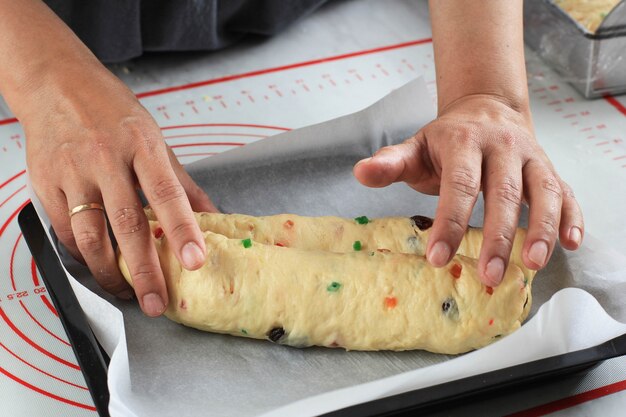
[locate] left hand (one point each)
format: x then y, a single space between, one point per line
480 142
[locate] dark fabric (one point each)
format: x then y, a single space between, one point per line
118 30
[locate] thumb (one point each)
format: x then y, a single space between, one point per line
407 162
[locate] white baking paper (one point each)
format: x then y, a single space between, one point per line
159 368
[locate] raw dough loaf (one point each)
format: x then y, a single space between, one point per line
336 234
362 300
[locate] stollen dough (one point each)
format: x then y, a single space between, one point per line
337 234
360 299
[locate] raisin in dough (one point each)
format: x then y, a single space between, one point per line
359 301
336 234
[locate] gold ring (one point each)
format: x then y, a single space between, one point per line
83 207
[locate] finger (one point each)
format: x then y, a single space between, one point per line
198 199
408 161
502 188
543 193
460 185
132 232
168 200
572 228
56 207
93 242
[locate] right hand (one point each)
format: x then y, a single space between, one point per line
89 140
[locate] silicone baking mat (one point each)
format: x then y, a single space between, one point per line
213 114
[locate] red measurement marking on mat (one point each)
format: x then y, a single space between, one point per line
276 90
163 111
185 145
618 105
183 155
408 65
330 80
44 299
12 216
12 195
356 74
286 67
192 104
33 344
41 325
14 177
303 85
48 304
38 369
11 261
189 126
16 139
46 393
248 95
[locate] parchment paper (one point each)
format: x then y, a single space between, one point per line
179 371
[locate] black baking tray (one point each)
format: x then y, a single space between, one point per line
93 360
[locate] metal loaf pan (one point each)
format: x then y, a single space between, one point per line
594 63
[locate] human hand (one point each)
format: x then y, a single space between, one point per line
88 140
479 142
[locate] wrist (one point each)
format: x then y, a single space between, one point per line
516 103
72 85
49 76
493 109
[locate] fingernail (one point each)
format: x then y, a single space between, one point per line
495 270
126 295
192 255
439 254
538 253
153 304
575 235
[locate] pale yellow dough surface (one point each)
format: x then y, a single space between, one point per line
337 234
315 295
589 13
